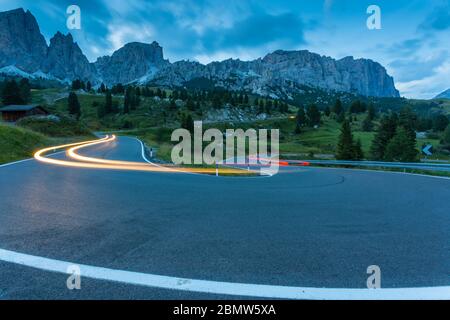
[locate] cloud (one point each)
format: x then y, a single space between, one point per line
427 87
416 67
261 29
406 46
250 37
119 35
437 20
327 5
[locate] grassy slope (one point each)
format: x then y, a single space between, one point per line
21 141
18 143
148 114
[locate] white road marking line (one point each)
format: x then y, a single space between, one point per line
15 162
225 288
25 160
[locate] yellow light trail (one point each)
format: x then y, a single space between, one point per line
95 163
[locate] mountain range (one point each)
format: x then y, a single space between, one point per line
24 51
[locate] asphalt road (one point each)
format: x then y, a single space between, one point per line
306 227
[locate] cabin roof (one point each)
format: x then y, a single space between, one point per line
20 107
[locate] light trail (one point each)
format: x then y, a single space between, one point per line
39 156
72 154
96 163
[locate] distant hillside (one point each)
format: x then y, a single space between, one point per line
445 94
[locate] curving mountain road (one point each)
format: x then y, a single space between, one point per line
304 227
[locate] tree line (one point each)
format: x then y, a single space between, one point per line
395 139
15 93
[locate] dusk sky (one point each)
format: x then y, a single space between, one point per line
413 44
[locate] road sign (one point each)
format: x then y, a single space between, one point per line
427 150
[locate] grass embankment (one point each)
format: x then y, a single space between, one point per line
54 127
18 143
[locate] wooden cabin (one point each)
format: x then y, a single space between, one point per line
12 113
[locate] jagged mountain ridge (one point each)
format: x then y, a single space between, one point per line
279 73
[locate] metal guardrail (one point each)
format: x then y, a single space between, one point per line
400 165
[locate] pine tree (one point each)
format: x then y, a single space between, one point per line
301 117
261 106
25 90
190 104
76 84
108 102
337 108
345 148
11 94
246 99
73 105
357 151
355 107
268 106
313 115
371 114
367 124
187 122
88 86
127 101
440 122
385 133
446 135
340 117
401 147
101 111
408 119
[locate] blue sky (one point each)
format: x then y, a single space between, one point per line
413 44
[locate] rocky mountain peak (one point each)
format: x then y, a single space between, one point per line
65 60
133 61
445 94
60 37
21 43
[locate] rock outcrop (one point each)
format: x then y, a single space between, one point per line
131 62
66 61
21 42
287 69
